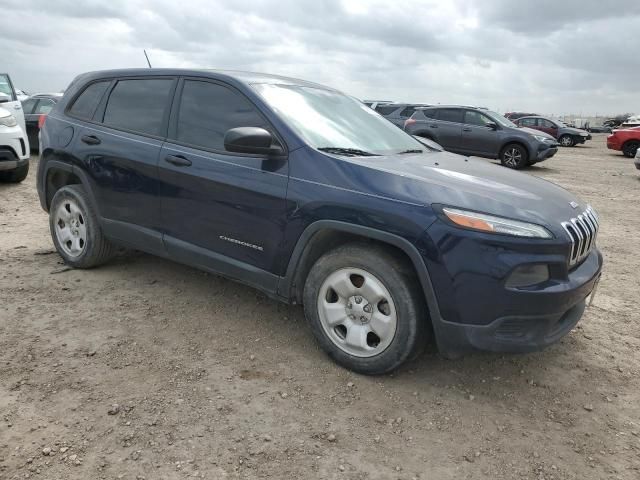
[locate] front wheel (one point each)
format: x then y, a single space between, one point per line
567 141
365 308
514 156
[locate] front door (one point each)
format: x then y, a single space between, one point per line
220 210
477 137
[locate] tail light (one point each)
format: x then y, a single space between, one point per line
408 121
41 120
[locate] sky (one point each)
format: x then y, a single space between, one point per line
552 56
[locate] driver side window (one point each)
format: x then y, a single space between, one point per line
472 117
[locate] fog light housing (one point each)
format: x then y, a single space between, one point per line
528 275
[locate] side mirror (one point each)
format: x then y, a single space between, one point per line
4 98
249 140
554 127
492 125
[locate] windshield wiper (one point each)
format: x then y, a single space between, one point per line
351 152
415 150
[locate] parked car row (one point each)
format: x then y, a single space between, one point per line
567 136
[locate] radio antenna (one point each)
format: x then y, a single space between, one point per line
147 57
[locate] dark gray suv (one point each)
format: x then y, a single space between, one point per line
483 133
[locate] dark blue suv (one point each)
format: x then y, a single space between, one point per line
310 196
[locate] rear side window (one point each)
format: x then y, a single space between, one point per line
139 105
386 109
527 122
85 105
208 110
428 113
450 115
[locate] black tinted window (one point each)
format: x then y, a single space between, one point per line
208 110
472 117
44 106
386 109
527 122
429 113
86 104
27 105
545 123
138 105
450 115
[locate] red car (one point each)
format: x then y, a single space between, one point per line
626 140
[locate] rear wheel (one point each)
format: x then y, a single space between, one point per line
365 308
75 229
629 149
567 141
16 175
514 156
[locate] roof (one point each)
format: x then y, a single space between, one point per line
238 76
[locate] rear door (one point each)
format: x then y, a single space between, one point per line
529 122
14 106
119 149
477 137
220 210
447 128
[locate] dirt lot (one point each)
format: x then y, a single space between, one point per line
213 380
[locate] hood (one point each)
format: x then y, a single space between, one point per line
475 184
533 131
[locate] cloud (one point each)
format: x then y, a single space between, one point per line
553 57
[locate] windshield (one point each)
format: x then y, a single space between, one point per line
335 122
504 121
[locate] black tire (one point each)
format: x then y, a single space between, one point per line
97 249
514 156
411 332
16 175
629 149
567 141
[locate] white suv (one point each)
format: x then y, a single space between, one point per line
14 144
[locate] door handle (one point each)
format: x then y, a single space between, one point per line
90 140
433 125
178 160
467 129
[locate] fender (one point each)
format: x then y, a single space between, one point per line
66 167
286 283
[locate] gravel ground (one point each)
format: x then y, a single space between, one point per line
146 369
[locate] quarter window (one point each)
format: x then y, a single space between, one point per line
139 105
386 109
207 110
407 112
450 115
85 105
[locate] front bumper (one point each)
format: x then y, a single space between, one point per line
546 151
636 162
14 139
9 160
582 138
477 310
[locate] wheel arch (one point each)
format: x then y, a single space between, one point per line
57 174
515 141
325 235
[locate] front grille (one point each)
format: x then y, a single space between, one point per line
582 231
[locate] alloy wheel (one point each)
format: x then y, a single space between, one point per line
512 157
357 312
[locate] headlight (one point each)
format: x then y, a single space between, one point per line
9 121
491 224
540 138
